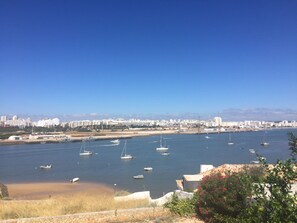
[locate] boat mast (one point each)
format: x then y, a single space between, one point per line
124 149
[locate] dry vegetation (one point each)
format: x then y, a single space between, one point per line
78 203
62 205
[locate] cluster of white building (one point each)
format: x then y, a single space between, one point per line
47 122
183 123
216 122
15 121
21 122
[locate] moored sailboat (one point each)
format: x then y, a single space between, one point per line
124 155
264 142
83 151
230 142
162 148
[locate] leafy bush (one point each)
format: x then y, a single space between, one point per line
222 197
182 207
256 173
273 199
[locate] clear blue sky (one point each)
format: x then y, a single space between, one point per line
147 56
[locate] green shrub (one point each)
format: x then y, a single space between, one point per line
182 207
273 199
256 173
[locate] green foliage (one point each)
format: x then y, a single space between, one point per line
182 207
293 145
256 173
222 197
273 200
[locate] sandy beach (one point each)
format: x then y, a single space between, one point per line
33 191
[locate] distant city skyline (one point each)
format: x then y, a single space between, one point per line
166 59
259 114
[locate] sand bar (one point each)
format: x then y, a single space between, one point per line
32 191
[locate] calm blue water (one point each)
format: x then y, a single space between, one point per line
19 163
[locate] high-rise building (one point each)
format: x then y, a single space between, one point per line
217 121
3 118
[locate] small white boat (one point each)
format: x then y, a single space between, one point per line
255 161
83 151
161 148
230 142
252 151
165 154
74 180
116 141
264 142
138 177
148 168
86 153
48 166
124 155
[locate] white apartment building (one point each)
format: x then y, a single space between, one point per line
217 121
18 122
3 118
47 122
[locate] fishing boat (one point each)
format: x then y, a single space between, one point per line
230 142
148 168
48 166
165 154
83 151
162 148
138 177
124 155
76 179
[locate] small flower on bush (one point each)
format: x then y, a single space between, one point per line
221 196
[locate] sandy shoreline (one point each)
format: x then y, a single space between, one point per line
32 191
107 135
77 137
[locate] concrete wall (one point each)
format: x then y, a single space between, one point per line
135 196
190 185
155 202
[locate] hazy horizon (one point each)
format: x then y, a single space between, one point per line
234 59
260 114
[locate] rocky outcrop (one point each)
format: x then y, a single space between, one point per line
3 191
